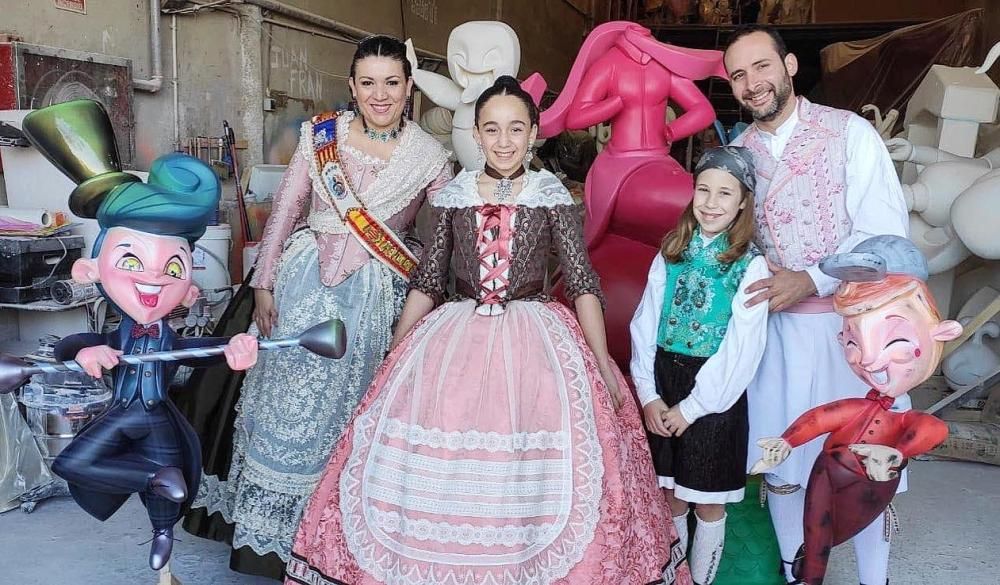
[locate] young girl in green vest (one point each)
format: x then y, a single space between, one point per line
695 348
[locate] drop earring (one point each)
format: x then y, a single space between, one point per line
480 155
529 154
407 111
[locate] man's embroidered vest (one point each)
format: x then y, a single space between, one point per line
800 204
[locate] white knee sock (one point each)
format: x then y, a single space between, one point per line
681 524
872 552
786 515
706 550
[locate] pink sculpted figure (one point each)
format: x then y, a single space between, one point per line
635 191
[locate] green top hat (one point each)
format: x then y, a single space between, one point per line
78 139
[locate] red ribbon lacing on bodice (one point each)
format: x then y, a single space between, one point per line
497 222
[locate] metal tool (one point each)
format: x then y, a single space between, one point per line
229 138
327 339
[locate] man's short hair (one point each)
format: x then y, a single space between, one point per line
749 29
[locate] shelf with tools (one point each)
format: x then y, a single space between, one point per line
23 325
17 347
46 305
37 271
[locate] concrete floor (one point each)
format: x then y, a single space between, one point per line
949 538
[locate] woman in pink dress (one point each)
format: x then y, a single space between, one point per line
494 446
311 267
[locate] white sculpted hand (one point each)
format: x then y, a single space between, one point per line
775 449
411 54
881 462
900 149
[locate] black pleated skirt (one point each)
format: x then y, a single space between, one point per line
711 454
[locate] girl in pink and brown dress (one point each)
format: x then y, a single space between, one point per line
495 445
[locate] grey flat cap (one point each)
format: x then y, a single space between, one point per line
875 257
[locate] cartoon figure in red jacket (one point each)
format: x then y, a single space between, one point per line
893 337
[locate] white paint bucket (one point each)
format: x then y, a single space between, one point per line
211 260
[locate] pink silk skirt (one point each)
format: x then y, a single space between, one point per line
487 452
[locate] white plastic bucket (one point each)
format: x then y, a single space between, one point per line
211 260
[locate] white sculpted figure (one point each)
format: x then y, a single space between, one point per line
953 200
437 122
954 203
478 52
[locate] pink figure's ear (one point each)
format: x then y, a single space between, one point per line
946 331
191 296
535 86
85 271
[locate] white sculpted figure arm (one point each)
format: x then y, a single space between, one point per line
902 150
440 89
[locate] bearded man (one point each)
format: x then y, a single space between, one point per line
825 183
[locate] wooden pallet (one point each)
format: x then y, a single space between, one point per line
936 388
974 439
970 441
974 391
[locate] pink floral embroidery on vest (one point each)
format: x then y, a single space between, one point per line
800 207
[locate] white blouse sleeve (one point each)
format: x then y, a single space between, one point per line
644 328
722 379
873 196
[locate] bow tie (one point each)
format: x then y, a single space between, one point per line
884 401
151 331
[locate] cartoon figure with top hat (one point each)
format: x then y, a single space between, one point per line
143 264
893 337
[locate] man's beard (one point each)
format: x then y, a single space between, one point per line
781 96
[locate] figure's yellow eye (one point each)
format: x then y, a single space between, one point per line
129 263
175 269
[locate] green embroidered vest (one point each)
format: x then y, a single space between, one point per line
698 296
